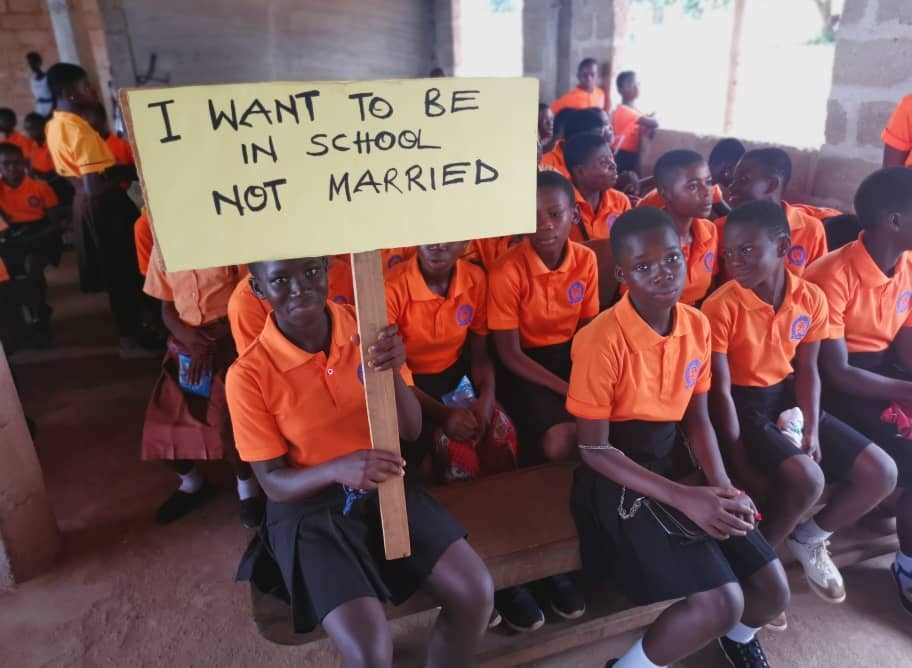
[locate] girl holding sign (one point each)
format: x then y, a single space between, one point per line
299 416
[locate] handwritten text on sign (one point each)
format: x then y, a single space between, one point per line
236 173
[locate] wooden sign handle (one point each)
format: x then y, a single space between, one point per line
380 392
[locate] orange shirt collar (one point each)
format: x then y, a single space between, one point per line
537 267
640 336
867 270
750 301
287 355
418 288
796 217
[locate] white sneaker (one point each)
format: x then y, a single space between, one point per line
822 574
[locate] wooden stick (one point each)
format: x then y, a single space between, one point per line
381 399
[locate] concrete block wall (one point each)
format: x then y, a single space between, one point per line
871 73
558 34
219 41
24 26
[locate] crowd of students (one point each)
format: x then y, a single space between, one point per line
713 355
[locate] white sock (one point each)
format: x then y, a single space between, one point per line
247 489
741 633
636 658
191 481
904 561
810 533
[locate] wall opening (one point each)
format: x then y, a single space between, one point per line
682 51
488 38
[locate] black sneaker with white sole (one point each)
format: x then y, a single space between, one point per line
519 609
743 655
566 600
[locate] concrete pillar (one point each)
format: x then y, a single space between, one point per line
29 538
558 35
72 37
870 75
444 46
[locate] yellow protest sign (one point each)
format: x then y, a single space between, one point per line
242 172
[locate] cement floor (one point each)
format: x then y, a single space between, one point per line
126 592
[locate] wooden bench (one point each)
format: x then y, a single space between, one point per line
520 524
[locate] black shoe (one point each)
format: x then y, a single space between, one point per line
566 600
519 609
180 503
252 511
743 655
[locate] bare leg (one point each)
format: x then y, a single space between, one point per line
461 584
766 594
797 486
359 630
872 479
690 624
559 442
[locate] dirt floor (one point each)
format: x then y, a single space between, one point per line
126 592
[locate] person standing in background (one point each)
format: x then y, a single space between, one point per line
44 101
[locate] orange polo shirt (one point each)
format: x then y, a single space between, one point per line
142 237
41 159
435 328
25 143
821 213
554 159
702 256
120 149
393 256
626 128
623 370
545 306
488 251
598 223
247 314
200 296
75 147
761 343
898 133
310 407
867 307
4 274
340 284
653 198
578 98
28 202
808 238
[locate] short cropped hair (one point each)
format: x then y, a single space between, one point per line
727 150
624 78
62 75
669 164
766 215
556 180
584 121
884 192
7 116
7 148
775 160
636 221
586 62
578 149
